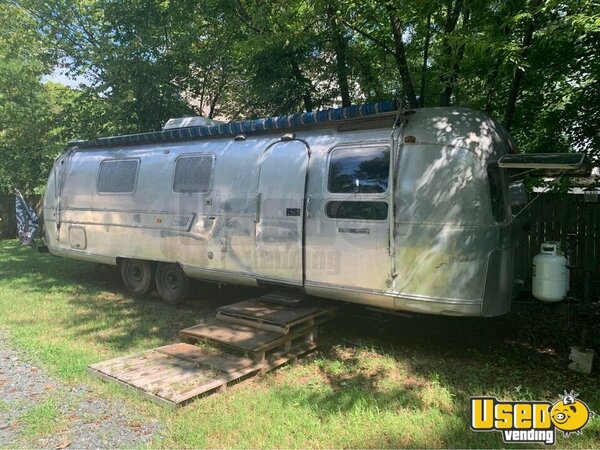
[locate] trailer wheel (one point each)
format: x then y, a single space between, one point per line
137 276
172 283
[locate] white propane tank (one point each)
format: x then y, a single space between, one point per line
550 280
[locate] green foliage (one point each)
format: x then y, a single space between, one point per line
532 64
37 119
22 62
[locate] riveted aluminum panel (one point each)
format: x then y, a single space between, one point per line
443 228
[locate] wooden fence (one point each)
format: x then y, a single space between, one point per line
554 217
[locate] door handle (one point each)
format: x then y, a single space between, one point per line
307 213
257 210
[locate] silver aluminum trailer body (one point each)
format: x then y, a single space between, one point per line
413 218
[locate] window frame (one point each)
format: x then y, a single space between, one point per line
135 181
212 172
506 207
357 146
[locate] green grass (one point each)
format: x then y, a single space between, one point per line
403 383
41 419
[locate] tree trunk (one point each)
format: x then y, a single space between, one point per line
400 57
489 87
448 79
304 82
458 59
425 61
492 76
515 85
217 96
340 47
367 80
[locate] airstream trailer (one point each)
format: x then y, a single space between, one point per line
399 210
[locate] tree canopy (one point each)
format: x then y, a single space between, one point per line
533 65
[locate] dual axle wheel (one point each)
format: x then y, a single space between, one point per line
171 282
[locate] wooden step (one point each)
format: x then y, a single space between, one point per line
282 298
239 337
176 374
258 336
170 380
210 358
258 313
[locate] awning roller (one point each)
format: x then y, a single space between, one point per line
555 162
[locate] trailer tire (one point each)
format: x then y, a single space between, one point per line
172 283
137 276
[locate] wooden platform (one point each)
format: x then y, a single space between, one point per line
175 380
262 314
240 337
258 344
176 374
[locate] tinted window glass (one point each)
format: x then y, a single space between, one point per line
359 170
357 210
517 196
193 174
496 193
118 177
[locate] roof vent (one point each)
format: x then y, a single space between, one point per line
185 122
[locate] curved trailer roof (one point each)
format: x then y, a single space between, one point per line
292 121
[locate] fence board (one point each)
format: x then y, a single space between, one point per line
554 217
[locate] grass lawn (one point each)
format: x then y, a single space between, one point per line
399 383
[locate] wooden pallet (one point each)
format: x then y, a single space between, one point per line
282 298
176 374
262 314
244 340
252 337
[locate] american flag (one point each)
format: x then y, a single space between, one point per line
27 220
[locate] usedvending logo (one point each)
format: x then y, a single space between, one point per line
530 422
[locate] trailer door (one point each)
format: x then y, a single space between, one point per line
279 213
347 231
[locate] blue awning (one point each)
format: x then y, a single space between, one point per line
297 120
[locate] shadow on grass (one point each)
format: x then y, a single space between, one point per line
525 352
100 308
422 369
444 362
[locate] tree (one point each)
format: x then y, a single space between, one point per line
25 123
533 64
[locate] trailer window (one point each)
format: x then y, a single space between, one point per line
361 170
118 176
357 210
517 196
193 174
496 192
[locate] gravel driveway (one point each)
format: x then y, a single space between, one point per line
38 411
